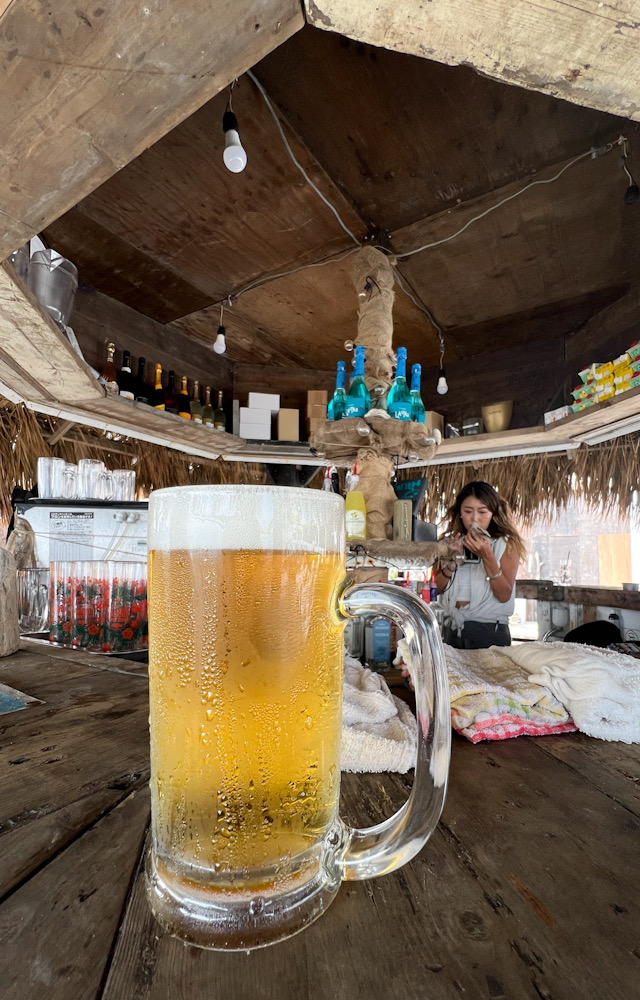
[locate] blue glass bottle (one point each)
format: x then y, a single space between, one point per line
358 400
399 398
335 410
417 406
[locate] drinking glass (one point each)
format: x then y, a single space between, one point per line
90 481
33 599
50 477
248 599
70 481
124 484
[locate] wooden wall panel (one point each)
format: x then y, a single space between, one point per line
97 319
84 92
290 383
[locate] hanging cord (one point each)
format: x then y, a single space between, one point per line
593 153
230 99
298 165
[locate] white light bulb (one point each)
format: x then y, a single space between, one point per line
220 344
442 388
234 156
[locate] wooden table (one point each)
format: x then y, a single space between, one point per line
529 887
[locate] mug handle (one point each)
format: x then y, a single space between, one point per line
376 850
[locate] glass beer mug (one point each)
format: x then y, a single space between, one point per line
248 598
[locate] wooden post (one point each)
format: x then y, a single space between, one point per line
9 628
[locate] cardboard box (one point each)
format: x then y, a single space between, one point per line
255 432
264 401
249 415
434 421
288 425
317 411
235 417
313 423
559 413
317 396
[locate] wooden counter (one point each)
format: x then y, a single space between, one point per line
529 887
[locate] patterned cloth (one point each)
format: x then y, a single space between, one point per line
493 699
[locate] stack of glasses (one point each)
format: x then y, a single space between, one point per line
98 605
88 480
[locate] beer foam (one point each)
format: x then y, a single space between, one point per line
277 518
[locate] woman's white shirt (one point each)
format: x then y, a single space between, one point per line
469 583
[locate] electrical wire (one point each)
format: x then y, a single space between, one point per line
298 165
283 274
549 180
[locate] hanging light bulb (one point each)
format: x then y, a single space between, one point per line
234 156
220 344
348 345
442 386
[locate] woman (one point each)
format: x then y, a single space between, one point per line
478 594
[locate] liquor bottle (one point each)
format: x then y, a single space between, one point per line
335 409
219 419
183 400
171 396
207 409
126 381
417 406
157 396
399 398
358 400
108 374
195 406
142 391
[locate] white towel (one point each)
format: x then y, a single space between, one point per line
599 687
379 731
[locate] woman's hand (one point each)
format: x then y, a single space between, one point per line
479 545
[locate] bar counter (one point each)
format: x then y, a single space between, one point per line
529 887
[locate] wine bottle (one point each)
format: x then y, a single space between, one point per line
157 396
358 400
183 400
336 407
207 409
219 419
126 381
195 406
171 396
399 398
142 391
108 374
417 406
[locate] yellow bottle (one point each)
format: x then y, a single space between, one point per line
355 516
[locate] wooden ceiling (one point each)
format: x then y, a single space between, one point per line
407 151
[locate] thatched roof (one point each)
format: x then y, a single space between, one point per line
602 476
25 436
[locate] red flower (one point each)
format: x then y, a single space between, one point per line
115 626
93 630
106 648
66 626
127 633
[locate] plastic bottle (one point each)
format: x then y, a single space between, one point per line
433 588
426 591
355 511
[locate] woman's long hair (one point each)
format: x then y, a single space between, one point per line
502 524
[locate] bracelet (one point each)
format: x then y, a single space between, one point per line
494 577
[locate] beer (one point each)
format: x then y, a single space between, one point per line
245 689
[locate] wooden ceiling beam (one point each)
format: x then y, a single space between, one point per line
584 53
84 92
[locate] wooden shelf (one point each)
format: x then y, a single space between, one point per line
39 367
608 597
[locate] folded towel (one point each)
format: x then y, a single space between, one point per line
492 697
379 731
599 687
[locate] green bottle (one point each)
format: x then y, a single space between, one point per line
399 398
417 406
358 400
336 407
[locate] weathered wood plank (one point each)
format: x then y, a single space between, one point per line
82 748
32 346
69 74
579 52
57 928
545 590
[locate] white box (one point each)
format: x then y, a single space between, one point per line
264 401
559 413
251 415
256 432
